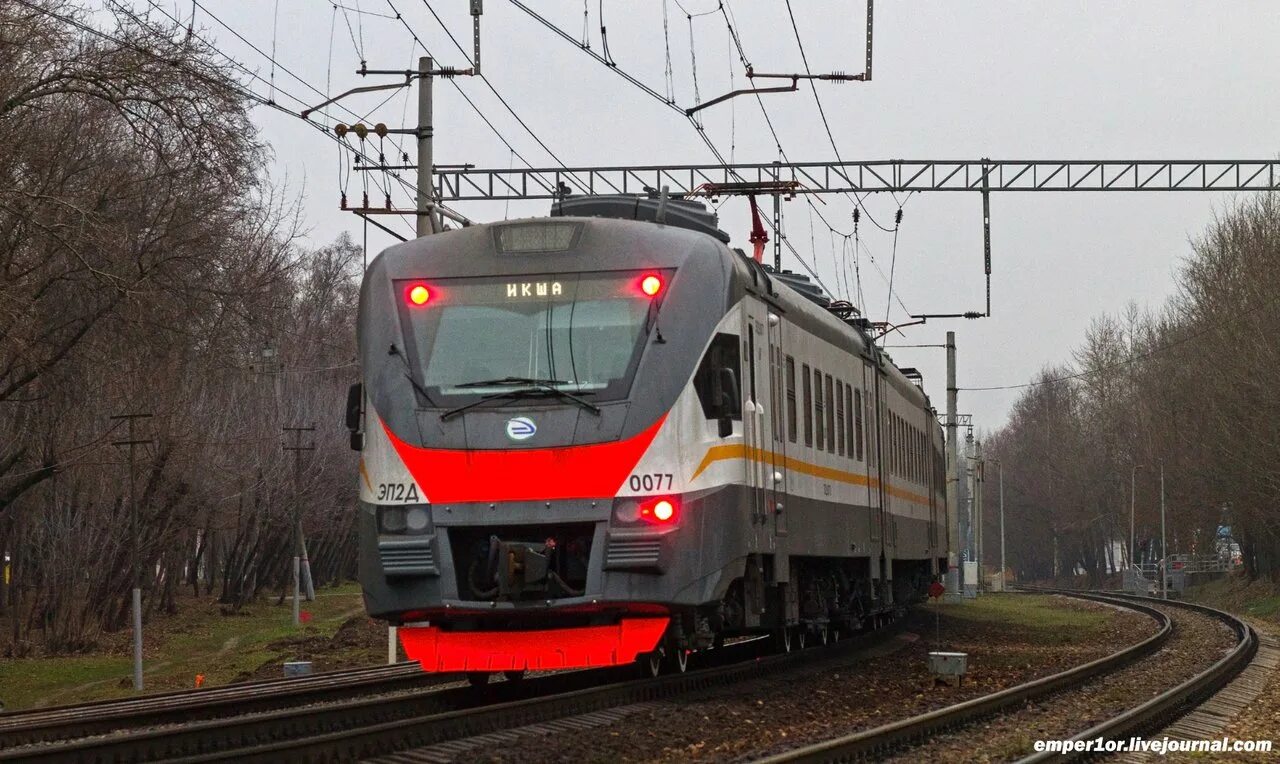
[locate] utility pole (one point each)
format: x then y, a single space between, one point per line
426 208
1164 550
300 548
953 478
979 482
1133 483
132 441
1000 468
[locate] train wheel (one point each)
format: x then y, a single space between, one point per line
514 676
650 664
478 678
681 661
802 637
782 638
824 635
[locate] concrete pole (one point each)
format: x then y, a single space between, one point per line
391 645
1164 549
1000 467
1133 482
953 478
137 571
979 482
426 208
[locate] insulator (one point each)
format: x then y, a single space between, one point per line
340 129
361 130
898 218
973 314
343 203
857 215
387 202
380 129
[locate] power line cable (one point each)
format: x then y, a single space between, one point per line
823 113
659 97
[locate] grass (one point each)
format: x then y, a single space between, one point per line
1259 599
1043 620
199 639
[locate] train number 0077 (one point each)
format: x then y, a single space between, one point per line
653 481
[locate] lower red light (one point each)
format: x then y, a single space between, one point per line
660 512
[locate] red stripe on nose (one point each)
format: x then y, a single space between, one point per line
570 472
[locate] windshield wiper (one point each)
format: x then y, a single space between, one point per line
408 373
537 391
514 381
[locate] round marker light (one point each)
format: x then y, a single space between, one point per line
416 519
664 510
418 294
392 519
651 285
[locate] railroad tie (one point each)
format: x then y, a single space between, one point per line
1209 719
454 750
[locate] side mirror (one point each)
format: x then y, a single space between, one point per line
728 400
355 401
724 425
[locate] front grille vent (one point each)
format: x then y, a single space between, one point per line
633 553
408 557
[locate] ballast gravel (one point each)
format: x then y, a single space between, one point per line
795 707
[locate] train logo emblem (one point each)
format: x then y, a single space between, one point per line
521 428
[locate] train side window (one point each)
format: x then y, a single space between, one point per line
839 418
820 441
915 455
848 419
791 398
831 422
808 406
716 381
857 422
897 445
894 457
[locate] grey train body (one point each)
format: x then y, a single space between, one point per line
805 466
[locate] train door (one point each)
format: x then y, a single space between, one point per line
881 530
777 449
755 391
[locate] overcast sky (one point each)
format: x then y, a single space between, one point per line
953 80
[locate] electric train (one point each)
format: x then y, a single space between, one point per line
605 436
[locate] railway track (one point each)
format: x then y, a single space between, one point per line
307 730
60 723
1147 717
298 729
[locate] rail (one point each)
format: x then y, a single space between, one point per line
919 728
1164 708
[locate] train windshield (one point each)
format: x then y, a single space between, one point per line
579 332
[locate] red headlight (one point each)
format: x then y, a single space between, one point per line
660 512
418 294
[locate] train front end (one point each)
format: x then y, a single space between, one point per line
524 395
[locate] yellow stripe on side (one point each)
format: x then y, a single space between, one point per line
741 451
